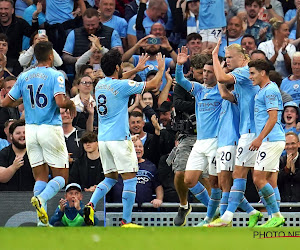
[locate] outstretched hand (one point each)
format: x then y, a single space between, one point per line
216 49
182 56
160 62
142 61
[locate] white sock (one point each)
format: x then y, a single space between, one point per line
269 217
254 211
186 206
278 214
227 216
207 219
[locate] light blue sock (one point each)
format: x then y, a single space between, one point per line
102 189
224 202
52 188
269 195
277 195
128 198
214 202
245 205
200 192
39 186
236 194
265 203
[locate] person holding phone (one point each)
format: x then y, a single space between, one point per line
27 58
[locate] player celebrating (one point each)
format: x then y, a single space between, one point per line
43 92
115 146
208 106
270 141
237 61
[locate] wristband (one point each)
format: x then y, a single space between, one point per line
269 7
171 51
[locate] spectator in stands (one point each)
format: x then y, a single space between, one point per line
77 42
234 8
4 72
87 169
194 45
152 50
259 29
4 142
69 212
3 43
20 6
291 19
155 12
248 43
147 182
27 58
278 50
61 20
14 157
234 34
271 9
277 78
191 16
289 173
72 136
291 84
150 141
27 17
287 5
92 56
85 104
290 117
7 113
15 28
106 16
259 54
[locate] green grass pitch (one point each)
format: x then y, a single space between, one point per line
147 238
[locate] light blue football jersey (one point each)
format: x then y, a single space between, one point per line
208 103
112 97
228 132
269 98
38 87
211 14
245 93
292 87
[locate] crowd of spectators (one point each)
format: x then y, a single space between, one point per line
83 30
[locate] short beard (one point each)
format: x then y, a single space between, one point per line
151 52
120 73
17 144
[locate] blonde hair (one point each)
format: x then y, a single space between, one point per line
238 48
128 64
276 24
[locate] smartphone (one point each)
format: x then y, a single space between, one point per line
42 33
96 66
154 40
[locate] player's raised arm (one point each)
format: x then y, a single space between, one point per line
139 67
221 76
154 83
64 102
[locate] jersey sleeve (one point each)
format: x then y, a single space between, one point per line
69 45
135 59
115 40
123 25
271 99
240 75
59 86
15 93
183 82
131 87
131 30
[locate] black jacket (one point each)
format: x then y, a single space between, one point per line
15 32
23 179
80 172
289 183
